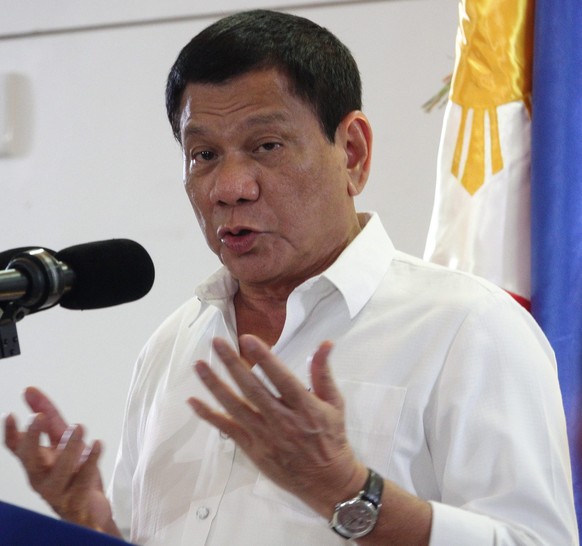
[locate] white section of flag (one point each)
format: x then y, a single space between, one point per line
487 233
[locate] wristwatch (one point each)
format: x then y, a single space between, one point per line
355 518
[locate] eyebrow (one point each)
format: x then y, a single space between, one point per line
253 121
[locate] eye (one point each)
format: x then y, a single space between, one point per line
268 147
203 156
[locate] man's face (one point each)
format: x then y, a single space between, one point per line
270 192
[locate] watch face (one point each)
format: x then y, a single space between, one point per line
355 518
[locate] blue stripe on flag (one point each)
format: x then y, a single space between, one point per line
557 202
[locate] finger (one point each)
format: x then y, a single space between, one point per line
87 450
29 449
12 436
88 470
251 386
40 403
227 398
222 422
292 391
80 487
68 462
322 380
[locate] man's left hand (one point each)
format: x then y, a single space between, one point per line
298 438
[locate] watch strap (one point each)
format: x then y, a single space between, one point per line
373 488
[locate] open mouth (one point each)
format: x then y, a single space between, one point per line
238 240
233 233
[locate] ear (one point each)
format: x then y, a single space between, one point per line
354 134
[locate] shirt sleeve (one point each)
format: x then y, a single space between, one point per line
497 435
120 487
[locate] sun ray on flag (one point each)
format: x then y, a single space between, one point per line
481 219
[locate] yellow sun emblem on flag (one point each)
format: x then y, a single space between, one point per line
493 67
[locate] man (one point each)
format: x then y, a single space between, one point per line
335 379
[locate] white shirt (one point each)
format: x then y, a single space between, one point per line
450 388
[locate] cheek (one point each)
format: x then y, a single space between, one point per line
203 210
313 190
200 208
192 198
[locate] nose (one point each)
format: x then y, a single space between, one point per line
235 181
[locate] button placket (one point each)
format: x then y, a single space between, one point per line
202 512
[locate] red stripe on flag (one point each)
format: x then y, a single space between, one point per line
525 303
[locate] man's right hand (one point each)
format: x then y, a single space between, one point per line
64 473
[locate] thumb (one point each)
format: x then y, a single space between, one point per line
321 378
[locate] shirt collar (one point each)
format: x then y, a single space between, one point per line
360 267
356 273
221 285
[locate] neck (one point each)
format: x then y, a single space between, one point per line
261 314
261 309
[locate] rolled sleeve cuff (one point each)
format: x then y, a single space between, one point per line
453 526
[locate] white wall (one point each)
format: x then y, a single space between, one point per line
95 159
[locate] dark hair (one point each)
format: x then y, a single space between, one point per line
320 69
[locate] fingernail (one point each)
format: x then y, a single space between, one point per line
67 435
249 342
220 345
34 421
201 369
85 455
194 404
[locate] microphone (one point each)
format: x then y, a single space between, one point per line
87 276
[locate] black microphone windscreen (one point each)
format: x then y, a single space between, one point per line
107 273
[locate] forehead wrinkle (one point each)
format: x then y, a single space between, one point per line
266 119
255 120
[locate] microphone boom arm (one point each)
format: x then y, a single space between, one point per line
33 280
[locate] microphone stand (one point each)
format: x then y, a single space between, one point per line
33 280
10 314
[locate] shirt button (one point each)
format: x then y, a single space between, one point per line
203 512
224 435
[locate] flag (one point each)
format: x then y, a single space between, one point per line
556 193
481 215
508 203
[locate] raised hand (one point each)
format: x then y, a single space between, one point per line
297 439
65 472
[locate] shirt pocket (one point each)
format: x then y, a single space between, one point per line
372 415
